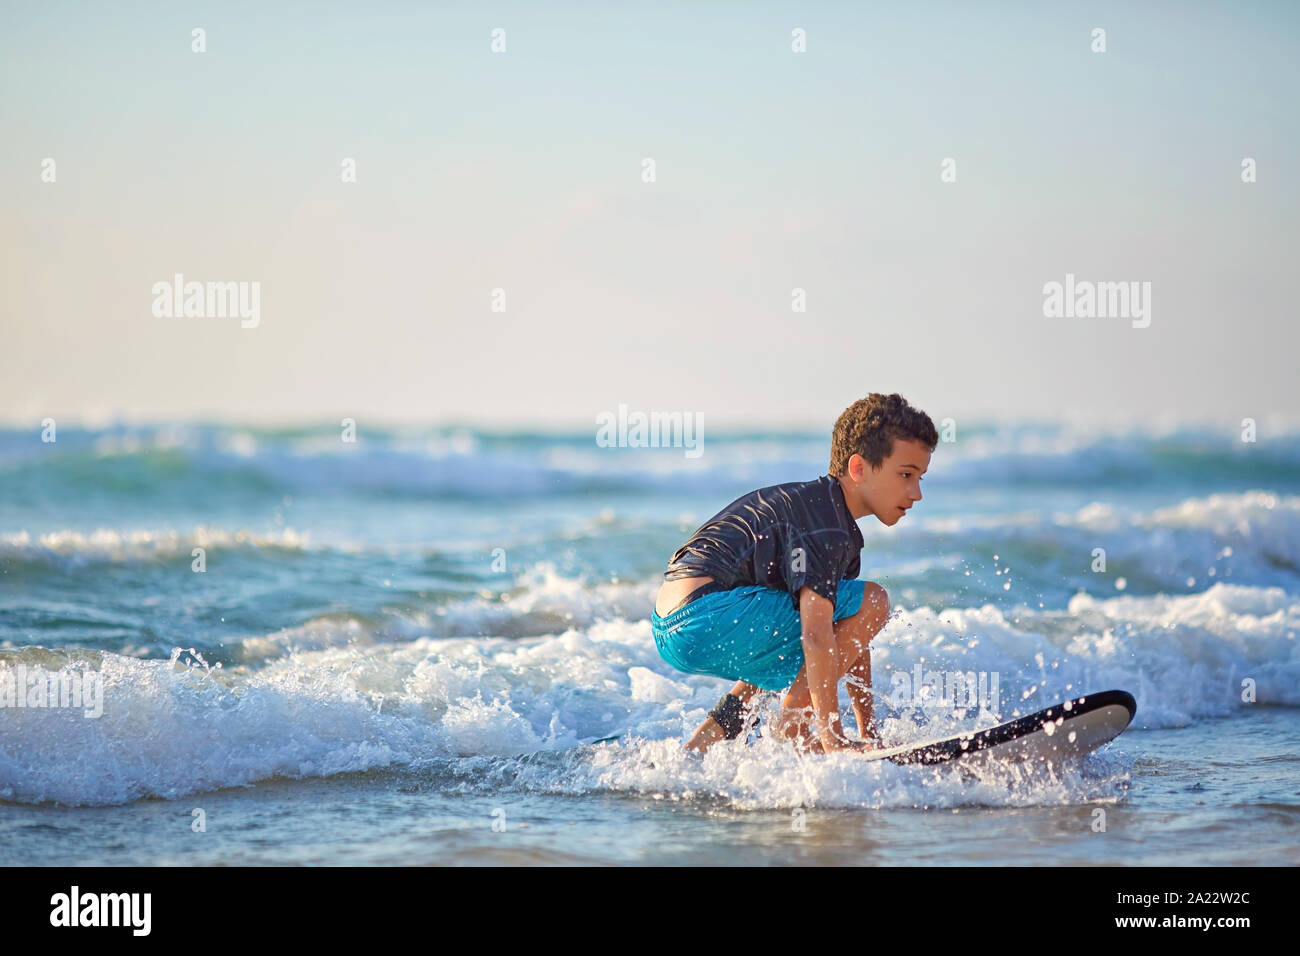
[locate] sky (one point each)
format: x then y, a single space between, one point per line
523 170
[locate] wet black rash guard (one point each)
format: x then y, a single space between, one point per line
799 534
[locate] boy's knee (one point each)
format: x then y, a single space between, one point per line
875 603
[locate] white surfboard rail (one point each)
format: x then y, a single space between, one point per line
1069 729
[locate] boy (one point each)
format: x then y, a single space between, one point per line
766 592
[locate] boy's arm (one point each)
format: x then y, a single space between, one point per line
858 680
815 615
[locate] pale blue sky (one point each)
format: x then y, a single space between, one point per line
521 170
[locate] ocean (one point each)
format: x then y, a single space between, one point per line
399 650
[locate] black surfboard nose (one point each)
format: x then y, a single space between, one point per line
1109 698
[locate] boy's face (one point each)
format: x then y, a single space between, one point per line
896 486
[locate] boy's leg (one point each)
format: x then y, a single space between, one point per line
795 721
711 731
852 655
859 685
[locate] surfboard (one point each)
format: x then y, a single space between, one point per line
1067 730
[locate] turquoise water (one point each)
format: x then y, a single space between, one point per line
395 639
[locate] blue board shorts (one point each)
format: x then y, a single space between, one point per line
750 633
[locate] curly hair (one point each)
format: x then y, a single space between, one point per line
869 426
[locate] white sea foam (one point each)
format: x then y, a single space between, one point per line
1253 535
76 548
169 730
